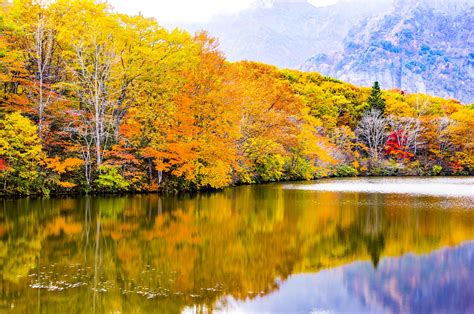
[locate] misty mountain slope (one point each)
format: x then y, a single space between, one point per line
425 48
286 33
416 45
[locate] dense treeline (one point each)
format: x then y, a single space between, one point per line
92 100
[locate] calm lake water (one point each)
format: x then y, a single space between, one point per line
347 245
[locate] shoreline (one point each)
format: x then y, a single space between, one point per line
209 190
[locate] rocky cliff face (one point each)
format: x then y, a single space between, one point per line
415 45
418 47
287 32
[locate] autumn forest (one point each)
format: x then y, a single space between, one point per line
96 101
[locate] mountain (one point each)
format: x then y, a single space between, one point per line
284 32
420 46
414 45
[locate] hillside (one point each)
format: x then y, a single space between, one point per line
284 32
416 48
419 46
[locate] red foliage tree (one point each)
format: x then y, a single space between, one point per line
396 146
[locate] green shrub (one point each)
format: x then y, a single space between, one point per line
270 168
390 168
345 171
436 170
110 180
299 169
413 168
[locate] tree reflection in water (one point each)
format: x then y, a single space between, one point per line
440 282
151 253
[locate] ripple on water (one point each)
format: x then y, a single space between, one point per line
56 278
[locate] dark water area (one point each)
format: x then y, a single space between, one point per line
360 245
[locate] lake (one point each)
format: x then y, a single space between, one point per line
337 245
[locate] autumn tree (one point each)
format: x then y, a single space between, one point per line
372 132
159 123
21 154
405 137
95 55
216 115
14 77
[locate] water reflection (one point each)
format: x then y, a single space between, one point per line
151 253
440 282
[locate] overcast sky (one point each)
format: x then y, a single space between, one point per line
185 11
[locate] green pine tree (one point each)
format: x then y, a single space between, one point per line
375 99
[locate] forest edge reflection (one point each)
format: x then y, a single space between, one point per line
110 252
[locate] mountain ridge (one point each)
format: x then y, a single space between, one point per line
420 51
348 40
284 33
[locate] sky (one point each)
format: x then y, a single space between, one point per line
188 11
